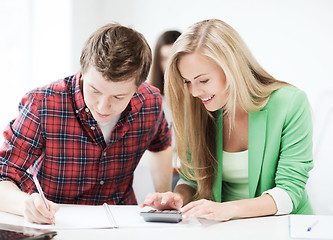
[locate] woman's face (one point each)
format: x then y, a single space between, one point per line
164 56
204 79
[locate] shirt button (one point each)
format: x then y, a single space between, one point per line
77 111
92 128
87 109
101 182
104 154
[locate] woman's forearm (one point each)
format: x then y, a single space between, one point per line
186 192
254 207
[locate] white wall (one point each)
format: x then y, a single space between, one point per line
41 40
290 38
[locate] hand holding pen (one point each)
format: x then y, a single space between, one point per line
37 208
41 193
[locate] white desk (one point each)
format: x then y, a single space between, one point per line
256 228
273 227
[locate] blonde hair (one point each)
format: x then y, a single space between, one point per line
247 83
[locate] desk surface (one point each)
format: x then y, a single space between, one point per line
272 227
275 227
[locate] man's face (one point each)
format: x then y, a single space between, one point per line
105 98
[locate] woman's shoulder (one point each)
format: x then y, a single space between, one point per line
285 96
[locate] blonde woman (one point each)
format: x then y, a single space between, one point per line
243 137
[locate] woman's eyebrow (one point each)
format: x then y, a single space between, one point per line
200 75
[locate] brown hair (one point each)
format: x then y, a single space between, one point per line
157 75
118 52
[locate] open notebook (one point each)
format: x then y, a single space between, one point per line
98 217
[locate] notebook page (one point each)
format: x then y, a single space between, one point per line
77 216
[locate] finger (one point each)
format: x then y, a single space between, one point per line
33 215
40 206
195 212
152 200
177 202
53 207
190 205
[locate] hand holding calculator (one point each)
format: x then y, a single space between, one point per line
168 216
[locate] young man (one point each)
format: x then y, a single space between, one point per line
86 133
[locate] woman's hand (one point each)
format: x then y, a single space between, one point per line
209 210
162 201
36 211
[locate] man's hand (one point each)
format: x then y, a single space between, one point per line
36 211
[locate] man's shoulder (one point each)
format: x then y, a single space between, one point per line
147 93
59 87
147 97
149 90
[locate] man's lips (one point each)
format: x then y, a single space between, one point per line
102 115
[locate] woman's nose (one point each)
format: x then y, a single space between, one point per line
195 90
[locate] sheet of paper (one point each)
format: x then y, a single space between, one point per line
77 216
88 217
299 224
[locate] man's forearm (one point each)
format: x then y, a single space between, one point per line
11 198
161 169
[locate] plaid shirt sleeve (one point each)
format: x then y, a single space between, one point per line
162 135
23 144
78 166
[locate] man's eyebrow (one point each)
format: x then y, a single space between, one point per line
92 87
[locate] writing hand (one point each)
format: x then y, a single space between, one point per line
36 211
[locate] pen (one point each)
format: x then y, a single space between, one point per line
41 193
313 224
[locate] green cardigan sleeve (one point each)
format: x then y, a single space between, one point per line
295 159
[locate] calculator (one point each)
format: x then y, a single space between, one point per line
168 216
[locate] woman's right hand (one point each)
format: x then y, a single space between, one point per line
163 201
36 211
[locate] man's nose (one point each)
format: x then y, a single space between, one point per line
104 105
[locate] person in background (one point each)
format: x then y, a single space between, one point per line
87 132
244 138
161 55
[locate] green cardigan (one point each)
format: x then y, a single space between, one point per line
279 148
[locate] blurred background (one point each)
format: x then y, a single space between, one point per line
41 41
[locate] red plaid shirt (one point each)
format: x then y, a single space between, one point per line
77 166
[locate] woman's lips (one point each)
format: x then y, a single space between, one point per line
207 100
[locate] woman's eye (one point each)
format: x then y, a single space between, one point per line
187 82
204 81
